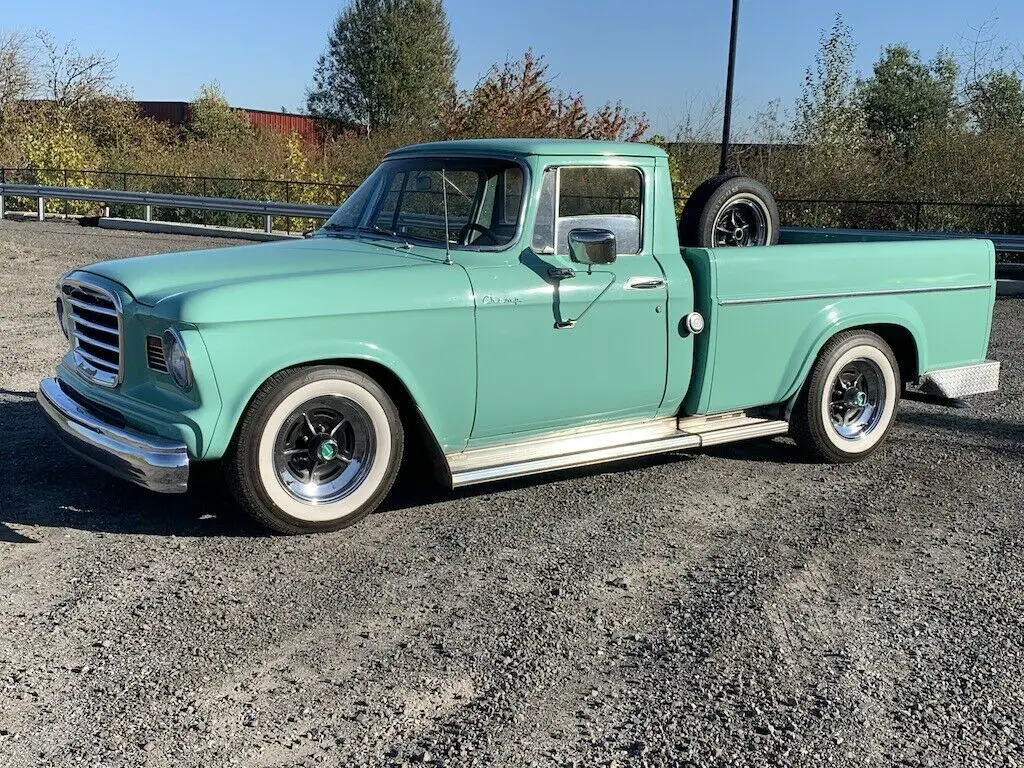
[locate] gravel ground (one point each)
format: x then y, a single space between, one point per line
739 607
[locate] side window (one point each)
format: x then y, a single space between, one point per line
600 198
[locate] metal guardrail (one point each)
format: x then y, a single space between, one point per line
1010 244
151 200
204 186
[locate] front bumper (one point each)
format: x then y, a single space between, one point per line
153 462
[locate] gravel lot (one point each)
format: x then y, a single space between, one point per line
733 608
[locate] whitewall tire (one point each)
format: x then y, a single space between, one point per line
318 449
849 403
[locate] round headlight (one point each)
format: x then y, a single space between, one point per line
62 319
178 364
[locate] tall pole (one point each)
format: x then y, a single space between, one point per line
727 117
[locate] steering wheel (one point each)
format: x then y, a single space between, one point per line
473 226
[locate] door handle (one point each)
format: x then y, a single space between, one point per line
644 283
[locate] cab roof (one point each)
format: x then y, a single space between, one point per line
532 147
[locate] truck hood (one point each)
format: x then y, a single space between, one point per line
152 279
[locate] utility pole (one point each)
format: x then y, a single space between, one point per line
727 117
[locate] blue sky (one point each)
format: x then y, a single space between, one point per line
662 57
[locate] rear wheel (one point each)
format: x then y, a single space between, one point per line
318 449
849 402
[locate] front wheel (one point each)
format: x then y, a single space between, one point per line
849 402
317 450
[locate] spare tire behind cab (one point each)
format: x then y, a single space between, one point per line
729 210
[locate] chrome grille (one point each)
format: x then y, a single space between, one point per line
93 317
155 354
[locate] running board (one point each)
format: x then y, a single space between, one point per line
597 445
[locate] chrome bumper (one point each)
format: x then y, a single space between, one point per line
152 462
963 380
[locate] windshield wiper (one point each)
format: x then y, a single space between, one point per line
378 230
353 231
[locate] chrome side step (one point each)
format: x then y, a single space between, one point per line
597 445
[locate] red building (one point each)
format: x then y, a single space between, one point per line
176 113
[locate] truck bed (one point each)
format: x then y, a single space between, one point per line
765 325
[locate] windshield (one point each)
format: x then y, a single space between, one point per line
405 199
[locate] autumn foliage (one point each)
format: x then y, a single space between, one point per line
518 98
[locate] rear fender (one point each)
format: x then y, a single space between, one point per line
846 315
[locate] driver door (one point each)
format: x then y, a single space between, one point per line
560 344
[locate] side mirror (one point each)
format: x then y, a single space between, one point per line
592 246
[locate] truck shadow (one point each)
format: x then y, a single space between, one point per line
43 485
417 487
769 450
1009 434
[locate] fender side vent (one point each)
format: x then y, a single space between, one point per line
155 354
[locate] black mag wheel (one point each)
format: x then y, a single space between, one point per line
318 449
848 404
728 211
743 222
324 449
857 399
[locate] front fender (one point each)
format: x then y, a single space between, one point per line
433 354
446 406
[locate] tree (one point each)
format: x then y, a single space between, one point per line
827 114
18 70
388 63
71 78
59 102
904 96
211 117
996 101
518 98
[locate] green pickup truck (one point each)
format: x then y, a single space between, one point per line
505 308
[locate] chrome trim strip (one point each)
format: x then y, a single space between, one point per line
597 445
576 440
146 460
597 456
810 296
766 428
96 342
97 361
90 307
95 326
